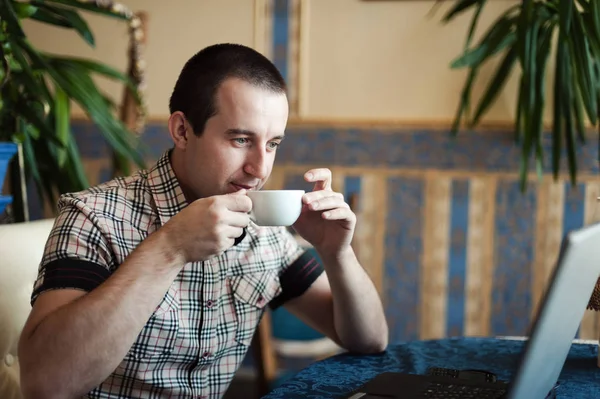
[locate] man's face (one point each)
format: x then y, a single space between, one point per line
237 148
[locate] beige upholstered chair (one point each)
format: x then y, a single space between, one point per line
21 249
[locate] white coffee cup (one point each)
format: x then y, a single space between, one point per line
276 207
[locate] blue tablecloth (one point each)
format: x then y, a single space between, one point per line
338 375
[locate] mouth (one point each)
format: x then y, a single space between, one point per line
243 186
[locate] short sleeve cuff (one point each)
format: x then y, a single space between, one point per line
69 273
297 278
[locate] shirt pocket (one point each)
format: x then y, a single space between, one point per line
252 292
157 338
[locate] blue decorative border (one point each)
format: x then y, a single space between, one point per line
473 151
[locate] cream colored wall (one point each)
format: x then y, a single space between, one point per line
386 60
177 29
357 60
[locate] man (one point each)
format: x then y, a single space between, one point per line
151 286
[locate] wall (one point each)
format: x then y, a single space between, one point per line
176 30
452 244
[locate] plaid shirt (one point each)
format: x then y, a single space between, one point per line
197 337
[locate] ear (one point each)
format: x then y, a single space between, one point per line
180 129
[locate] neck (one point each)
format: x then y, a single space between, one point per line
176 159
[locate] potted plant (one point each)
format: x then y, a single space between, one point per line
525 35
37 88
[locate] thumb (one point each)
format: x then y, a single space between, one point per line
243 191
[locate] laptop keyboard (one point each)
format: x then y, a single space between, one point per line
437 390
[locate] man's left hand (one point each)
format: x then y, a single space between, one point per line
326 220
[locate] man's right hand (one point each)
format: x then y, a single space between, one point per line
84 352
208 226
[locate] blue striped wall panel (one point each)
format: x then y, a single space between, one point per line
514 248
402 257
457 260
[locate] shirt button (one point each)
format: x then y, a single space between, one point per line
9 360
261 299
209 304
206 355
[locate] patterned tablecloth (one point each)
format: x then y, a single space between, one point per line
340 374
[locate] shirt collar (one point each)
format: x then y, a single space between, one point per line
168 195
165 189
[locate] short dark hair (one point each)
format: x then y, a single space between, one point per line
202 75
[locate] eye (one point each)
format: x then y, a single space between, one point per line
241 140
273 145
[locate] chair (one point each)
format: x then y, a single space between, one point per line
21 250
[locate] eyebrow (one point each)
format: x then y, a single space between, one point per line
245 132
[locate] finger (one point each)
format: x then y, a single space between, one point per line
238 202
232 232
236 219
327 203
318 195
339 214
321 177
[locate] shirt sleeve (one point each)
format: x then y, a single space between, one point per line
301 267
77 254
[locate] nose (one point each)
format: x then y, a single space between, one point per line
257 164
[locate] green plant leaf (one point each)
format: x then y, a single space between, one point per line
61 16
90 65
460 7
527 143
595 13
577 100
570 136
578 111
22 59
465 99
523 31
27 84
528 86
528 33
558 119
78 85
583 67
543 52
44 16
519 120
8 14
75 165
37 162
87 6
499 36
567 93
110 103
584 4
496 84
102 69
62 121
592 33
29 155
24 10
29 114
474 21
565 15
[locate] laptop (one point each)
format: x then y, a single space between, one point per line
555 326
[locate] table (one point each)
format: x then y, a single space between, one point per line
340 374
